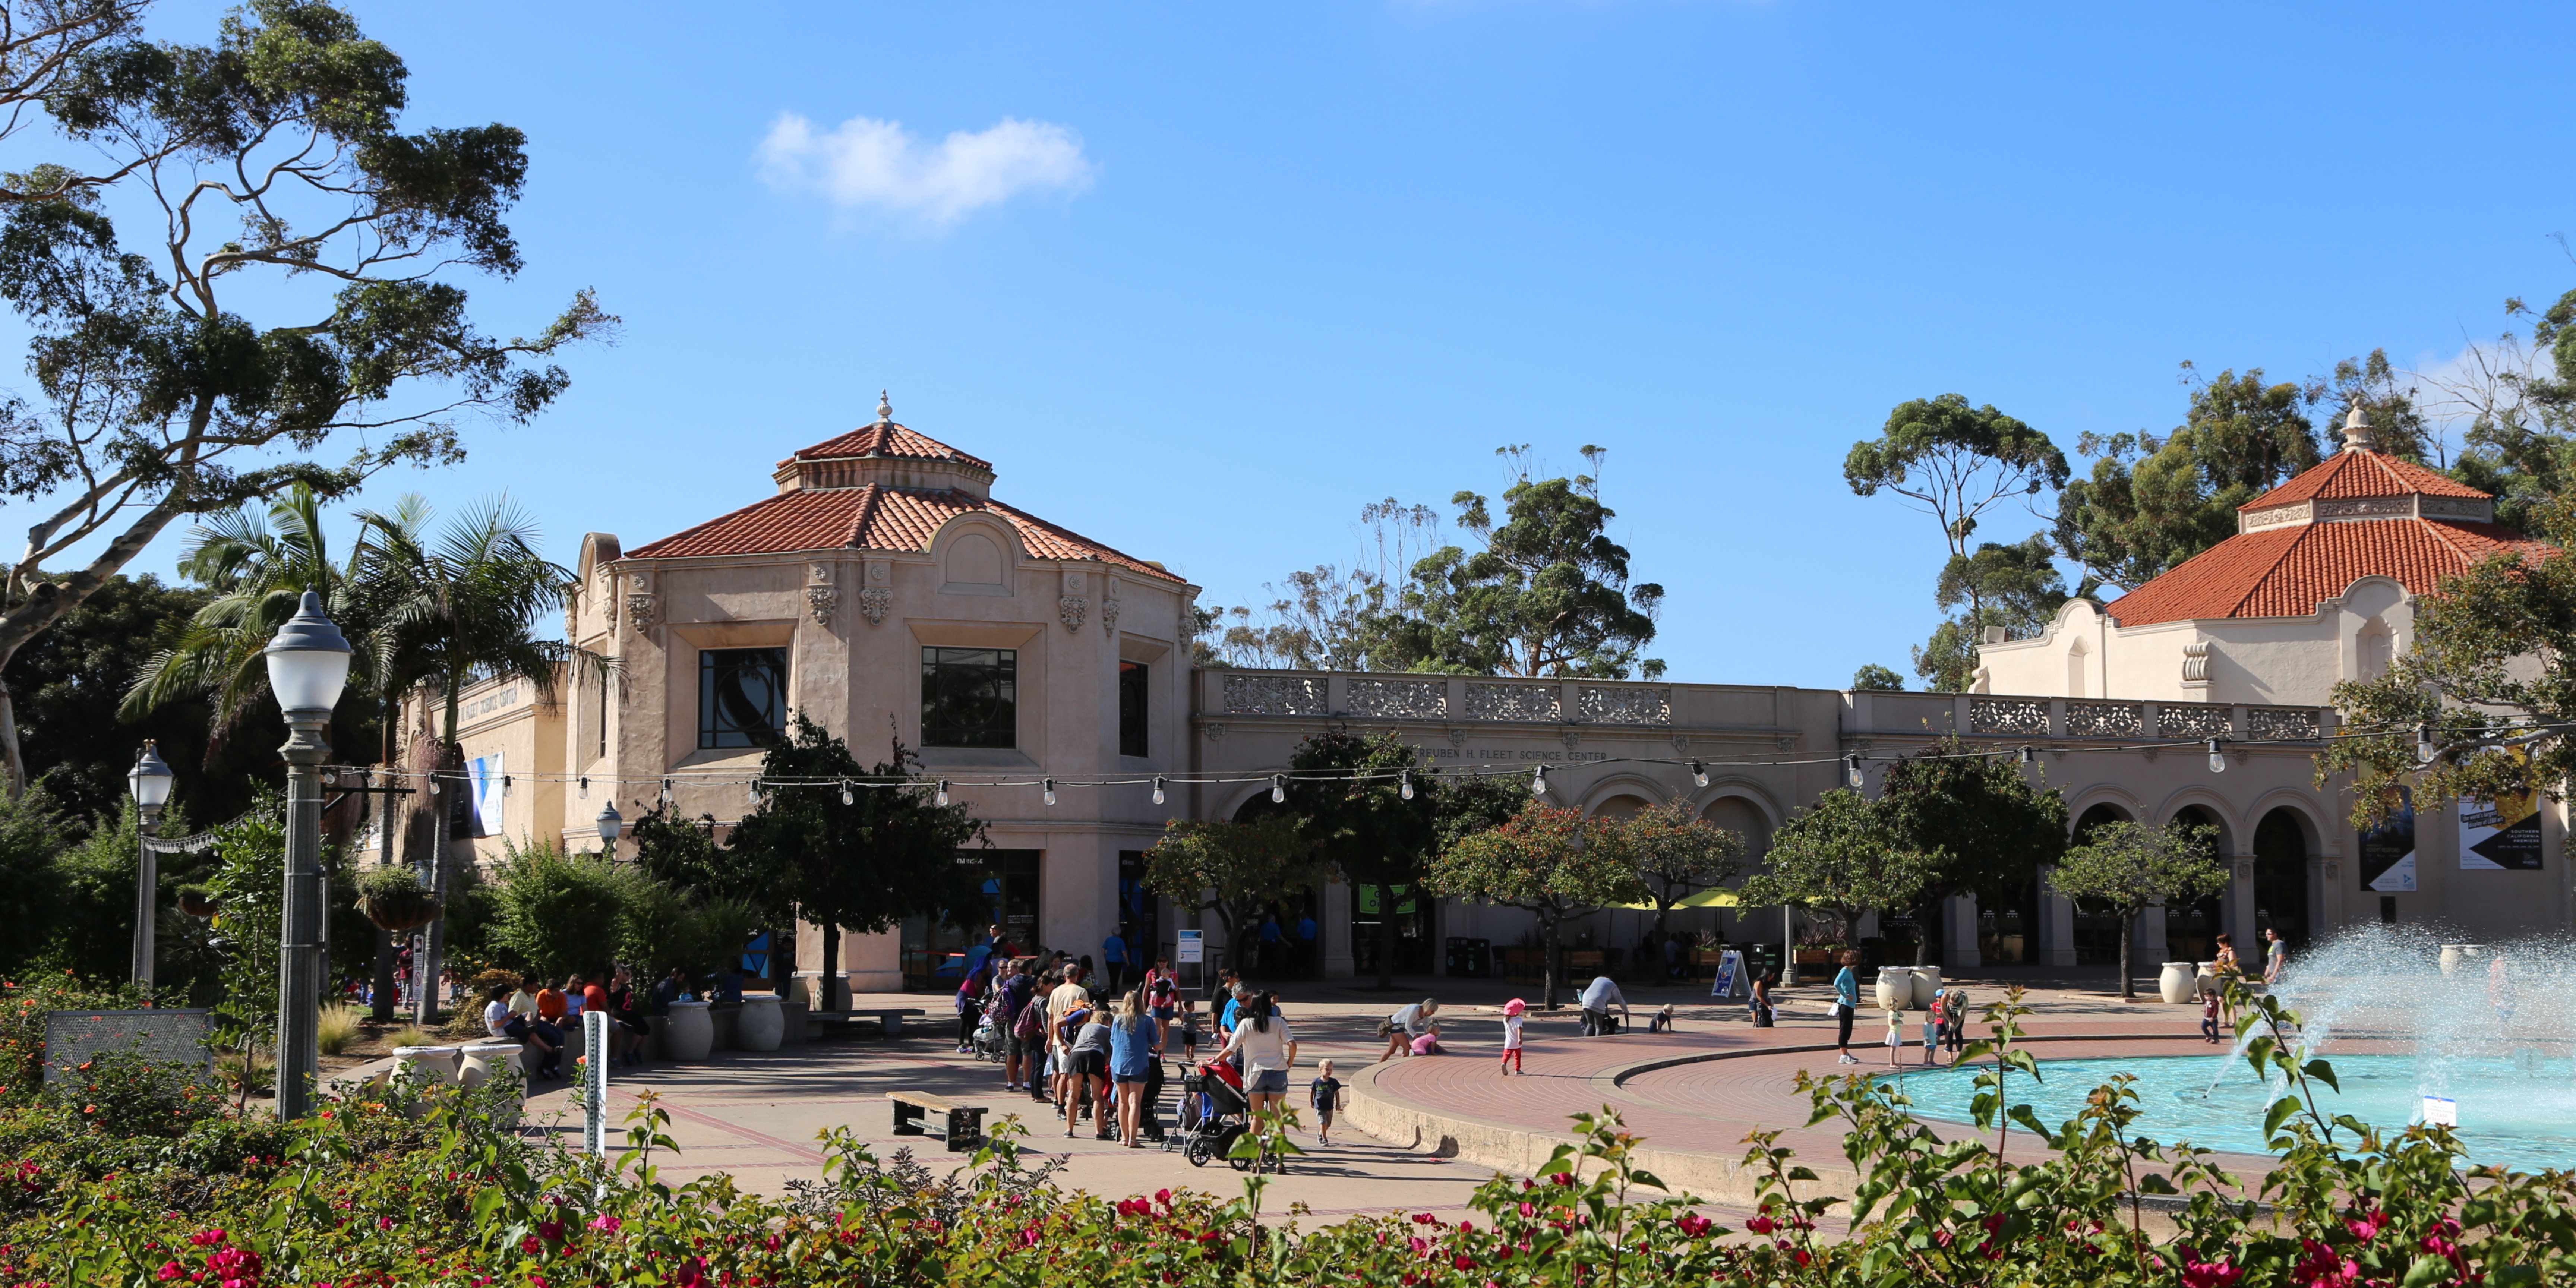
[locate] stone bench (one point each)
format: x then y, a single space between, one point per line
888 1019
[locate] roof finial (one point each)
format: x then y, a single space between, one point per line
885 409
2356 430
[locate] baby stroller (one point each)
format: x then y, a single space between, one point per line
991 1043
1214 1114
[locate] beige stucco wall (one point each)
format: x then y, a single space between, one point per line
2285 661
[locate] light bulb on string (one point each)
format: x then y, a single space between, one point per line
1699 774
433 784
2425 749
666 791
1278 788
505 784
751 790
846 797
331 776
1852 771
584 792
1158 789
942 798
2028 756
2217 758
1404 784
1538 781
1050 791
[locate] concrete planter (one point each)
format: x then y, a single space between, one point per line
1895 988
687 1034
425 1067
791 1019
2206 977
1927 985
726 1021
2179 983
762 1025
484 1061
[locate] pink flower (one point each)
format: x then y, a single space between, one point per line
1527 1212
206 1238
2207 1274
384 1223
1562 1178
605 1223
2369 1225
1695 1225
172 1270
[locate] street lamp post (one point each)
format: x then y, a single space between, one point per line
610 824
308 661
151 784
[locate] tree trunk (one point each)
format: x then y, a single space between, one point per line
443 822
2128 978
831 958
10 760
1547 993
383 988
1386 937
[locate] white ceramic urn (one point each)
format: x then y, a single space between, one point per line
482 1060
761 1023
1927 985
2179 983
688 1033
1895 988
2205 978
424 1067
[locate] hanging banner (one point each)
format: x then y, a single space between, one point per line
2388 850
2502 835
485 773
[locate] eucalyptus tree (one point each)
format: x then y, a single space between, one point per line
296 286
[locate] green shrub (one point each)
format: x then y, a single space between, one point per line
559 912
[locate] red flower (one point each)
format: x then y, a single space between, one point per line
553 1231
1562 1178
2208 1274
1696 1225
693 1273
1163 1197
171 1271
206 1238
530 1245
1762 1225
2368 1226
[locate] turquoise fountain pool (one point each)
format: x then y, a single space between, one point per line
2514 1111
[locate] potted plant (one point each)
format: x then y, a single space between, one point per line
197 899
394 898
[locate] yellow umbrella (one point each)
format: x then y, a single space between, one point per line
1710 898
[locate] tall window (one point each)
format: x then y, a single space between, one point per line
1131 708
742 696
599 718
970 697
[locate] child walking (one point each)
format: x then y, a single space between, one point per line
1515 1012
1932 1030
1895 1038
2209 1015
1325 1095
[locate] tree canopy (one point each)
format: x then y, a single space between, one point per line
1846 854
1548 861
1987 826
1678 854
1370 829
2129 867
1233 869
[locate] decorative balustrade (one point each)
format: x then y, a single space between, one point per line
1624 706
2105 720
1397 699
2008 716
1275 695
1512 701
2283 724
2194 720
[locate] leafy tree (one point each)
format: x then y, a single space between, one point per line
1845 854
1550 862
2519 399
558 912
1986 827
2152 503
2490 682
191 393
1678 854
2386 398
2014 587
249 889
1233 869
2130 867
70 680
886 853
1368 827
33 830
1873 678
1956 462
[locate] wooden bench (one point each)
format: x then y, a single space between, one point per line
888 1019
961 1125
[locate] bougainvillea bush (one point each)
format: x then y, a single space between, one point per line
428 1193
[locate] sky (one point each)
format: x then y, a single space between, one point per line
1203 280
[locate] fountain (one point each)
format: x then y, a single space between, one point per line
2488 1034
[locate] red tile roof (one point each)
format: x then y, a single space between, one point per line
873 517
885 438
2362 473
2285 572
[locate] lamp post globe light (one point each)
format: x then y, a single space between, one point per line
150 782
308 662
611 823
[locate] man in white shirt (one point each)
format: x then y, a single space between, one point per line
1598 997
1405 1025
1068 997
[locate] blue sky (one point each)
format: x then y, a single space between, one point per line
1202 280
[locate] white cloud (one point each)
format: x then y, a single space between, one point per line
868 164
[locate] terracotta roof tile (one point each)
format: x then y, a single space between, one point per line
870 518
886 439
2286 572
2362 473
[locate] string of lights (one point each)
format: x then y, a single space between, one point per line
1854 765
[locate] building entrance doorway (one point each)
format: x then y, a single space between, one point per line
1370 906
2280 881
934 948
2191 929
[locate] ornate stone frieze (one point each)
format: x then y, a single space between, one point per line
874 603
2193 720
1512 702
2105 720
1071 609
1398 699
1624 706
1274 695
1109 618
2365 507
1572 738
820 601
2455 507
2276 516
2270 724
2008 716
639 610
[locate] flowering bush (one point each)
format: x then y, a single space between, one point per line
367 1196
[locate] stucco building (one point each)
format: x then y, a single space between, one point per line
883 590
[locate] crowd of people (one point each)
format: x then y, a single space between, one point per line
540 1017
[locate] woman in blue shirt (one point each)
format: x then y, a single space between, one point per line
1135 1042
1846 1004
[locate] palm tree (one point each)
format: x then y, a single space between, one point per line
454 611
